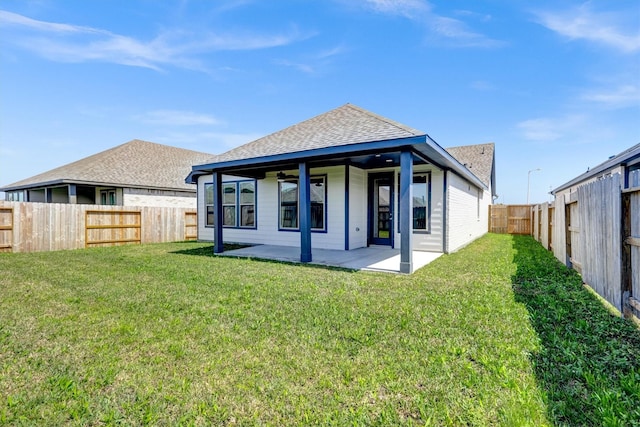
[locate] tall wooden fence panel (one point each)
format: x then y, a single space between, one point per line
596 231
498 219
558 234
631 247
35 227
511 219
599 239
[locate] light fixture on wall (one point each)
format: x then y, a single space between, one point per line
282 177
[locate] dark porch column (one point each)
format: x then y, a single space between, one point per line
218 244
305 212
406 212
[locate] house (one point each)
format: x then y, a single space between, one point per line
137 173
343 180
626 163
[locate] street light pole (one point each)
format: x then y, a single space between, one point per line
529 181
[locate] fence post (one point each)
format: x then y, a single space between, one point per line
625 267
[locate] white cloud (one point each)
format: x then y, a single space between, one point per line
406 8
618 97
75 43
454 32
607 28
458 32
545 129
177 118
313 63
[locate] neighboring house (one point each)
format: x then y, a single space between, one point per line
343 180
137 173
627 164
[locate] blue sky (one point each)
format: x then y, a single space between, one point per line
554 84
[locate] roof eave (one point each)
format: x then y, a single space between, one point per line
631 157
57 182
422 144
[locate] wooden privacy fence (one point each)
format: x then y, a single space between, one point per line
511 219
35 227
596 231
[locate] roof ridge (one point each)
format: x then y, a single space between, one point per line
385 119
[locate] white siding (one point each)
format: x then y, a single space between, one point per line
158 198
357 208
267 213
466 214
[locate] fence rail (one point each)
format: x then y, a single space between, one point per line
36 227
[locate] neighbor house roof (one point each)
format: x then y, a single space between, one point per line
137 164
344 132
628 156
479 159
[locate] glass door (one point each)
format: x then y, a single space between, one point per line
381 209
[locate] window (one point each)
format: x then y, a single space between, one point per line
247 204
421 203
208 203
238 196
289 203
318 195
421 198
229 204
108 197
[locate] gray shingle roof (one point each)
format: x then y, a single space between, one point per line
344 125
138 164
479 159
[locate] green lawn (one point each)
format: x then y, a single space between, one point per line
496 334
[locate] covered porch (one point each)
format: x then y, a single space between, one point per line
372 258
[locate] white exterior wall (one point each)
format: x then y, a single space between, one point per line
432 241
467 217
267 213
158 198
357 208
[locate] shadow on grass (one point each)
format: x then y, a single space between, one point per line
208 251
589 360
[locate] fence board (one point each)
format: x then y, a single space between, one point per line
511 219
6 229
190 226
56 226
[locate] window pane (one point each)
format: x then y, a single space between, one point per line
420 201
289 204
208 194
247 193
247 218
229 216
229 194
317 202
210 215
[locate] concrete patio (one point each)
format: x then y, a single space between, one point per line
373 258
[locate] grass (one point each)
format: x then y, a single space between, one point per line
496 334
